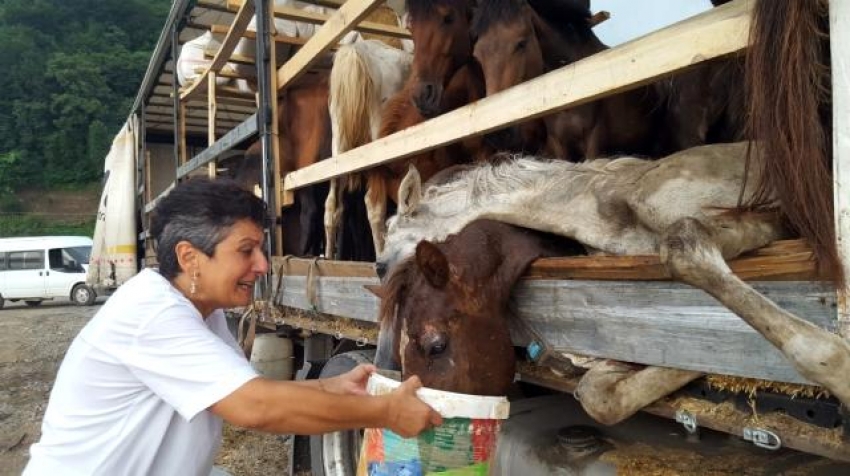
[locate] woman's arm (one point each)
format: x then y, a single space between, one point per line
289 407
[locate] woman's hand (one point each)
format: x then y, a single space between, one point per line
408 415
352 382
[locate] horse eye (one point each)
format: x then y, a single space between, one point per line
448 19
521 44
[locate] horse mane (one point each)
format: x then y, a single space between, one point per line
560 14
393 289
417 8
787 83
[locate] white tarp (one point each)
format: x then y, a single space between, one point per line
113 257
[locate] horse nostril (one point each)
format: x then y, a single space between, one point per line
381 269
435 344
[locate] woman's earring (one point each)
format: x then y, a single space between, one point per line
193 288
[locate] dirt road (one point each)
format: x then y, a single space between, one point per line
32 344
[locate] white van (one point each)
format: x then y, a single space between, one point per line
34 269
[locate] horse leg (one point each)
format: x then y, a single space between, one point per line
333 213
695 254
612 391
376 209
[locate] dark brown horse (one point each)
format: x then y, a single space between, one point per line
304 138
518 40
448 307
443 77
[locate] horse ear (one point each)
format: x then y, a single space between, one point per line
409 192
433 264
376 289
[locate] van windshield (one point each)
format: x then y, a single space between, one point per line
80 254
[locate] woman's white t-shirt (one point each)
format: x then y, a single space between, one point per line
132 393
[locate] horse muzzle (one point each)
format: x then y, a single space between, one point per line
427 99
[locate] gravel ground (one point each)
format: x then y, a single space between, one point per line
32 344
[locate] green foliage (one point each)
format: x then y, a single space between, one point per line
70 73
18 224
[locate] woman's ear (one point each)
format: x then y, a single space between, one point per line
187 255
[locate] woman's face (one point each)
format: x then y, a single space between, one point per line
227 278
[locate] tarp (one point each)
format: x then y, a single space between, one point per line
113 257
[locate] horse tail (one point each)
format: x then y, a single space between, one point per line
352 96
787 85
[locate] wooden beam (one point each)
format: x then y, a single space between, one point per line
718 32
348 15
839 22
297 14
661 323
234 34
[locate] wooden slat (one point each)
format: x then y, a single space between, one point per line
839 21
348 15
234 34
655 323
718 32
282 39
296 14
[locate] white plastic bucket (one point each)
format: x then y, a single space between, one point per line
271 356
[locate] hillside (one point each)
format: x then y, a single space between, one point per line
51 212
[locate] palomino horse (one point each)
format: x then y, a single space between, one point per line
678 207
364 76
444 77
518 40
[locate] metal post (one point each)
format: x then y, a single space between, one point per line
175 88
839 28
264 116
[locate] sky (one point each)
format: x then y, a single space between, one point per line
633 18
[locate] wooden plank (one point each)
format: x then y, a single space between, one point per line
282 39
784 260
234 34
297 14
717 32
655 323
839 22
348 15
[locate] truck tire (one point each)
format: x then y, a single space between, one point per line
83 295
336 454
2 302
33 303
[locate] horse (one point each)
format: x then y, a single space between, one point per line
443 77
445 348
518 40
363 77
682 207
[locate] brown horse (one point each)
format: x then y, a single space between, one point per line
518 40
453 306
443 77
304 138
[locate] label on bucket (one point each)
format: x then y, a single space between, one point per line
460 446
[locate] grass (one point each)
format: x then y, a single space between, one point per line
20 224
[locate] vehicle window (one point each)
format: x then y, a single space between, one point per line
80 254
61 259
3 261
26 259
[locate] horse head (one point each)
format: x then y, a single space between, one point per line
444 311
517 40
441 35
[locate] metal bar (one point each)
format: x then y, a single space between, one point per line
839 29
237 135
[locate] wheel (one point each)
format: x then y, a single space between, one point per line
83 295
336 454
2 302
33 303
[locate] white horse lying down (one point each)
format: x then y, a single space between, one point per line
677 207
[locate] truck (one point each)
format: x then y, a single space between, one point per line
723 425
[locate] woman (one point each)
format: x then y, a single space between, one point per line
145 385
